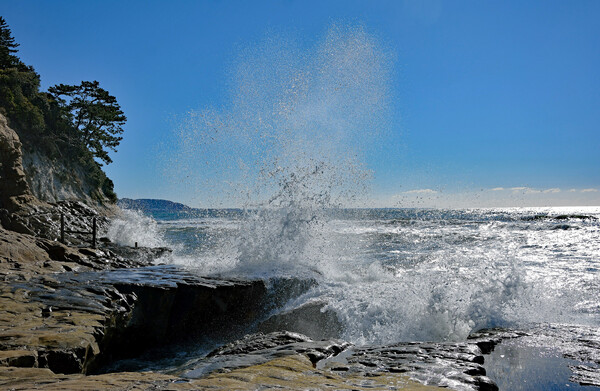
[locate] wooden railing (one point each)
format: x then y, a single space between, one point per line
64 231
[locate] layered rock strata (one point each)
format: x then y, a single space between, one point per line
75 322
453 365
14 190
293 372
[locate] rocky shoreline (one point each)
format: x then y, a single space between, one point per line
70 311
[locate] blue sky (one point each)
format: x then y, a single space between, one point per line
495 103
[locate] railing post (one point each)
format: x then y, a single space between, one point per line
62 228
94 232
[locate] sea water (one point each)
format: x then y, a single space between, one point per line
396 275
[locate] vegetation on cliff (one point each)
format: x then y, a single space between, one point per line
95 115
74 125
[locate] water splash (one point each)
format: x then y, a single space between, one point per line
289 148
132 227
290 143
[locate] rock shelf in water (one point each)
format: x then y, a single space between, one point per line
75 322
66 312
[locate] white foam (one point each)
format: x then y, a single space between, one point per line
133 227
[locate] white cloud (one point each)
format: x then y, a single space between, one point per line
421 191
497 189
529 190
532 191
524 190
572 190
589 190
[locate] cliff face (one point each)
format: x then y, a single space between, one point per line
35 190
14 189
26 172
54 181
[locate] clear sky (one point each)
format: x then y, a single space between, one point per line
495 103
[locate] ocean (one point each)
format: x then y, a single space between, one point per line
397 275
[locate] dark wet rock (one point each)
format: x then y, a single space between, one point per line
259 342
77 322
585 375
142 255
574 342
174 305
312 319
454 365
260 348
18 358
580 343
63 361
487 339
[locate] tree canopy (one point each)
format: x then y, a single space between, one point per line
94 113
76 124
8 46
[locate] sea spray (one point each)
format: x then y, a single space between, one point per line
289 149
290 143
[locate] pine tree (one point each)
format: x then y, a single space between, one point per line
8 47
94 114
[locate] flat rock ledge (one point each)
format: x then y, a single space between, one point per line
73 310
453 365
78 322
294 372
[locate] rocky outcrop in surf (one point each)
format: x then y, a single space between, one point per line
76 322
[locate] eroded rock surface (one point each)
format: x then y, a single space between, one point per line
24 256
76 322
294 372
43 220
454 365
259 348
14 190
12 378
